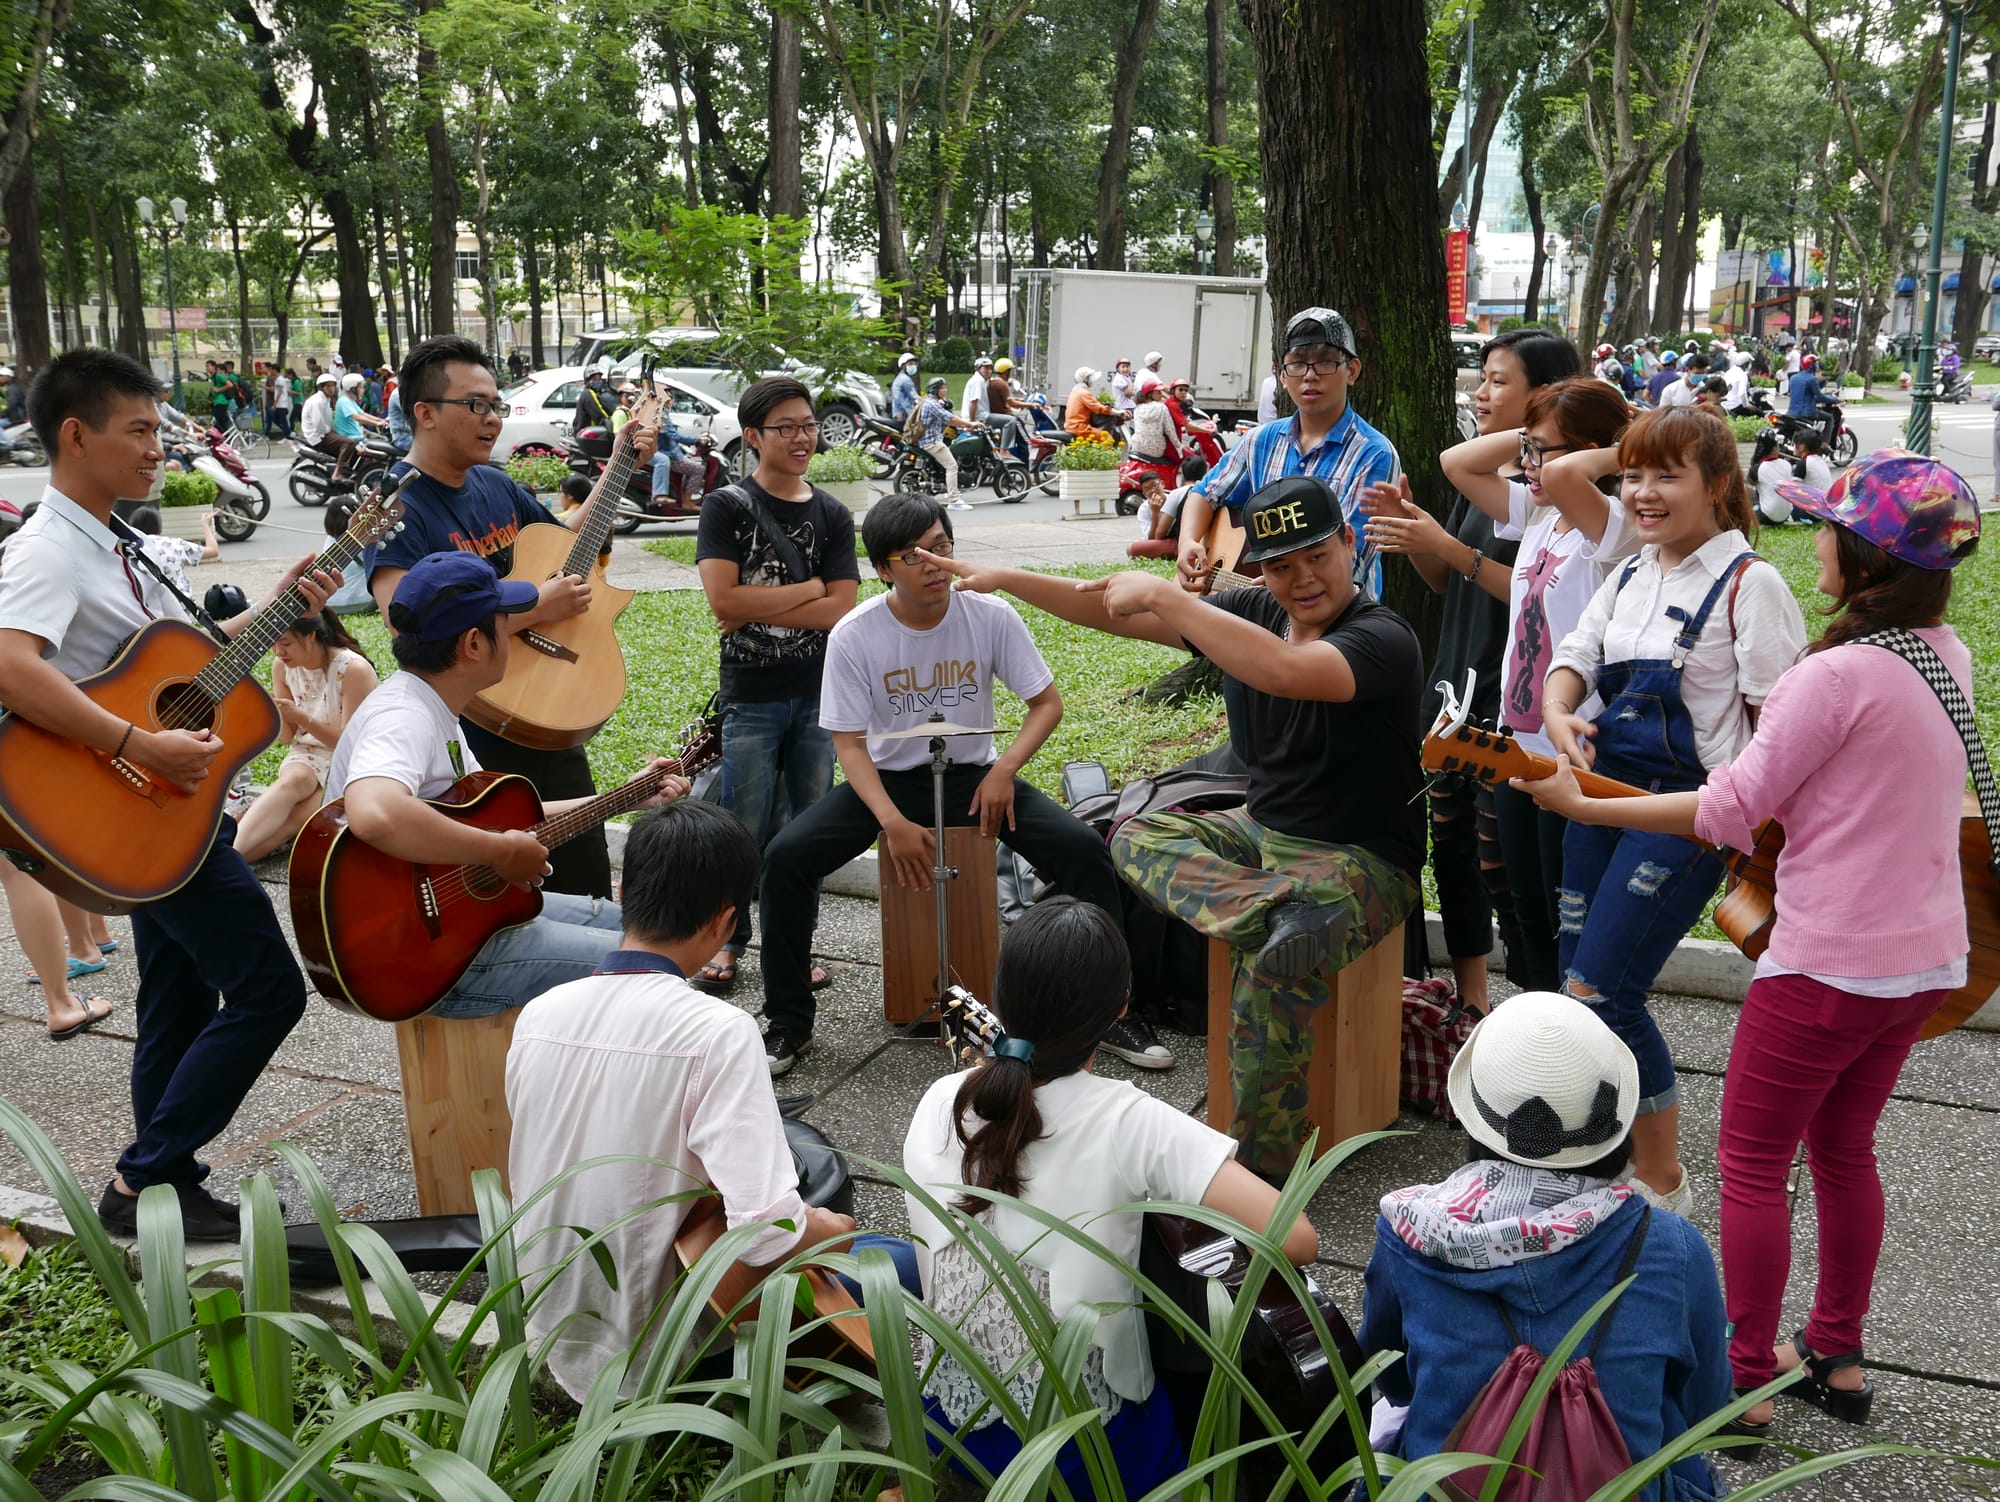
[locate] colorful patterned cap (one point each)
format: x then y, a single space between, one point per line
1911 507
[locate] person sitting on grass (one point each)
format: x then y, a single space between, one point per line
1036 1123
662 1086
1514 1247
319 678
922 648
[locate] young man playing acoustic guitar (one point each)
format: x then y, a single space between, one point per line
459 500
405 745
634 1065
69 599
1322 860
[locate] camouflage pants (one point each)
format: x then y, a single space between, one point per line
1222 874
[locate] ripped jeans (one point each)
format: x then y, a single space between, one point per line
1625 900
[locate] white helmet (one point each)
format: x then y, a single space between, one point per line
327 378
1083 375
905 358
352 381
1153 359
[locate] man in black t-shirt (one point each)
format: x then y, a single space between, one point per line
1322 861
459 500
775 598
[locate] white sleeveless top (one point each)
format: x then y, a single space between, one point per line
317 692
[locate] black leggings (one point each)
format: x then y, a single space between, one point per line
1470 873
1531 843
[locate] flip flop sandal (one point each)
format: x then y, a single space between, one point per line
109 946
719 983
76 968
90 1020
826 976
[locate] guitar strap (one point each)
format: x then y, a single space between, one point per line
790 559
131 546
1918 653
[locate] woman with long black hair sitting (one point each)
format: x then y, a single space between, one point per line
1033 1122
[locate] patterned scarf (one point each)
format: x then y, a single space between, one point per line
1494 1214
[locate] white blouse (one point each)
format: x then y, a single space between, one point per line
1728 672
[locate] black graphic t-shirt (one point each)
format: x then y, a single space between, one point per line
761 662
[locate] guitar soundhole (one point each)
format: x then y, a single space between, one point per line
182 706
484 884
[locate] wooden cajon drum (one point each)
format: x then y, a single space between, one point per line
1353 1081
455 1096
909 928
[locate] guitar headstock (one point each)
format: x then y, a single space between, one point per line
973 1027
376 517
700 745
647 410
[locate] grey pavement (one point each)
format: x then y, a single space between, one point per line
1934 1335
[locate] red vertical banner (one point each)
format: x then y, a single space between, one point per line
1454 276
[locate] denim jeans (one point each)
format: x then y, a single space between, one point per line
1626 899
512 968
777 762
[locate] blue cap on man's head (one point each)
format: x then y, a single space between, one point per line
447 594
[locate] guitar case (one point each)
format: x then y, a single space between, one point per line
449 1243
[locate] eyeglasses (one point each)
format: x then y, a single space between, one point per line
1533 453
1297 369
913 558
478 406
787 431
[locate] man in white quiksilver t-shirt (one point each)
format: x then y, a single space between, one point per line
919 650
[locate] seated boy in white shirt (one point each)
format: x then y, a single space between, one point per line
921 649
634 1064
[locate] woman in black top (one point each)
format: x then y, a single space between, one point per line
1462 561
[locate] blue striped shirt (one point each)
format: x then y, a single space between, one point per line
1350 458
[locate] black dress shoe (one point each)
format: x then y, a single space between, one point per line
203 1216
1300 938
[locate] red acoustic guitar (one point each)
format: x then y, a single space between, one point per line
1749 908
388 938
110 835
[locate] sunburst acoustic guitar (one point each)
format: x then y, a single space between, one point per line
1748 910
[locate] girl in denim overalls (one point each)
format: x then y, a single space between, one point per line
1682 644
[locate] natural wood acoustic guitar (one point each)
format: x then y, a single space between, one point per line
1225 541
110 835
388 938
565 678
1749 908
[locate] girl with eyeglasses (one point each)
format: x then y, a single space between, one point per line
1562 510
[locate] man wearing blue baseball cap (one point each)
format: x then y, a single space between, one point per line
404 746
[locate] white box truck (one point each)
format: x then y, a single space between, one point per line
1215 330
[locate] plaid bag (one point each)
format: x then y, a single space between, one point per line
1435 1027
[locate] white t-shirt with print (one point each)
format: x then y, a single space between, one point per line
884 676
1104 1143
1555 575
404 732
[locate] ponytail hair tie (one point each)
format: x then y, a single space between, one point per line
1005 1047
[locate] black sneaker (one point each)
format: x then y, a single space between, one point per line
203 1216
1133 1040
1297 944
782 1048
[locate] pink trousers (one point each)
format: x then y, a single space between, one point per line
1813 1062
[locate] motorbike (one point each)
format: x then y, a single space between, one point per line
241 500
311 481
24 447
1956 387
884 444
589 452
981 462
1831 423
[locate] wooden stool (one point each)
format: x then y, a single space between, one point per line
1353 1078
455 1096
909 928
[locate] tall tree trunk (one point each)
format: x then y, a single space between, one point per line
29 38
125 282
1221 187
482 223
1690 226
787 63
27 280
1970 321
1470 160
1115 167
444 187
246 352
531 268
1531 195
1365 141
98 243
72 331
385 276
690 179
1673 276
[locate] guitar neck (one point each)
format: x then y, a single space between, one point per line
239 659
601 510
1494 756
1223 578
559 829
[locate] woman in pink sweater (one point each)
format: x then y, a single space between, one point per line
1854 967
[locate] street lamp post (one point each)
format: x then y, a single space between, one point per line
1551 248
1204 244
1924 393
179 209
